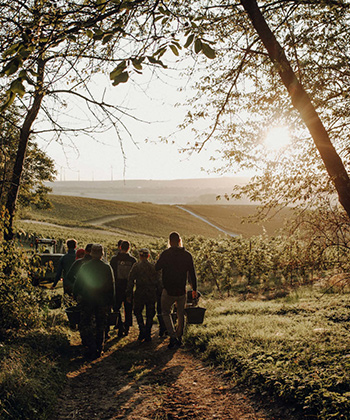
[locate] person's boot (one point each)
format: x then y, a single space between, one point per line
148 337
141 336
121 331
172 343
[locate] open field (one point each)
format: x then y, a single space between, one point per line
295 350
230 218
152 220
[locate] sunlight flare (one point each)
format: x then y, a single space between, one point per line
276 138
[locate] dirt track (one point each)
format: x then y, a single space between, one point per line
148 381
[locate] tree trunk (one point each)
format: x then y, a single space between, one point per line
301 101
21 153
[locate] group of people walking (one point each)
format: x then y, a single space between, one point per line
103 289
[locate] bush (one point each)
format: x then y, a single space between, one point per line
19 301
31 369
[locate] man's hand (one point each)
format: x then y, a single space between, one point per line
194 294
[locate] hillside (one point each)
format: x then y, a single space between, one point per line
153 220
180 191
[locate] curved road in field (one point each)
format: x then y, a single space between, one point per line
207 221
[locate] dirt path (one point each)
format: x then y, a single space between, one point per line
140 381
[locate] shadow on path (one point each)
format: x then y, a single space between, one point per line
116 384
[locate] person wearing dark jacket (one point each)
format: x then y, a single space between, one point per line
65 264
144 276
94 290
121 264
73 271
177 267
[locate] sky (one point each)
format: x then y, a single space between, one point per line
101 158
152 102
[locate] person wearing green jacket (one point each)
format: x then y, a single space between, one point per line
94 291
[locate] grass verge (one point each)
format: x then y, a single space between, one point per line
295 350
32 374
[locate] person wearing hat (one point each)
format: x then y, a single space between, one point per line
147 281
94 290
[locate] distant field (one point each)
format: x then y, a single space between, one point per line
229 217
154 220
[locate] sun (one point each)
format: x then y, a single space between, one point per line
276 138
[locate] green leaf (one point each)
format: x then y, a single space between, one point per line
155 61
118 70
126 6
189 41
152 60
197 46
121 78
12 66
176 43
89 33
101 5
208 51
107 38
9 101
17 87
137 63
174 49
10 51
97 37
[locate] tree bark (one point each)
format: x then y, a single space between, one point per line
302 102
21 152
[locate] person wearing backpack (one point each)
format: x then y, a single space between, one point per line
146 282
121 264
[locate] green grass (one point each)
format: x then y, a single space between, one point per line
298 353
32 374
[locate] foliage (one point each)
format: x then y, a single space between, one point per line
38 166
19 302
31 348
296 352
51 50
241 96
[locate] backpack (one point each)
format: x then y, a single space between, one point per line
123 269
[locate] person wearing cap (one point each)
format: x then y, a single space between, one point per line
64 264
121 264
81 257
94 290
177 266
147 281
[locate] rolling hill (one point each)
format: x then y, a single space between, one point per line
148 219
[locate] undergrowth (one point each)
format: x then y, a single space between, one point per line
32 344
